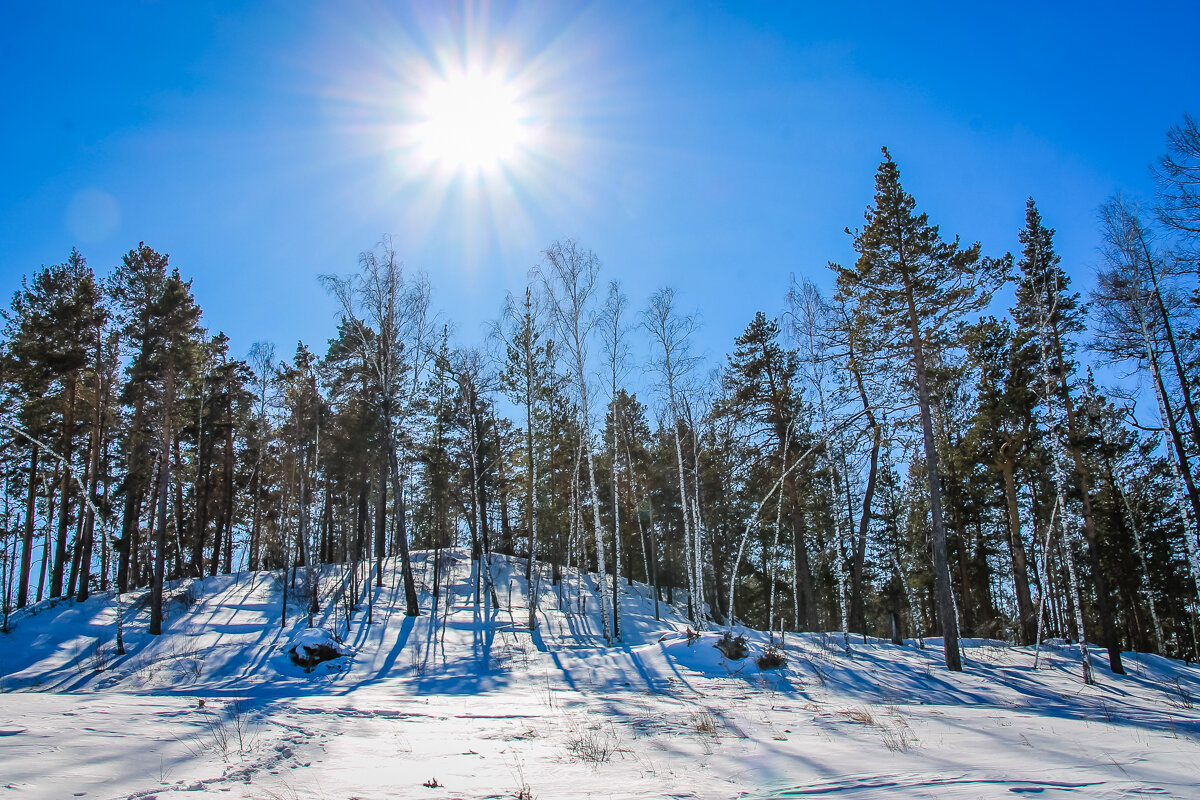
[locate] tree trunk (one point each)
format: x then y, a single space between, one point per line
597 528
857 606
1185 388
412 607
135 487
1103 604
27 533
1171 421
160 547
360 532
89 525
687 528
942 586
227 513
381 519
164 481
177 455
1027 622
808 596
255 516
616 512
66 448
44 570
531 578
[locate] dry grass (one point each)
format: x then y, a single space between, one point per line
1183 696
860 715
704 722
896 735
231 735
594 744
894 731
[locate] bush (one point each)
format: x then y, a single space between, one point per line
732 647
772 657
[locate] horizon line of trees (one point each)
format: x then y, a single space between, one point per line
899 458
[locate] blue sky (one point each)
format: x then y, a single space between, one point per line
714 147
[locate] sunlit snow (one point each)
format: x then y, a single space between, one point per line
467 702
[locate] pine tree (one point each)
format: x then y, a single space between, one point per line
50 327
104 367
1000 434
28 377
172 345
262 366
910 288
480 453
134 286
1046 309
304 410
439 467
760 386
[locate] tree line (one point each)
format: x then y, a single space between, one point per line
904 457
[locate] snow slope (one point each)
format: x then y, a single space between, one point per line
469 703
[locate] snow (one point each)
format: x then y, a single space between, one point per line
473 701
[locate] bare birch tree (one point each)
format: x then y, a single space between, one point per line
616 352
569 274
670 332
384 314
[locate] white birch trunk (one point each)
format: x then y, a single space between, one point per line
687 528
1137 541
616 497
1057 457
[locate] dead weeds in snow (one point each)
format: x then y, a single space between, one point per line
860 715
703 722
894 730
594 743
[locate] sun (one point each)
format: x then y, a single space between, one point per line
472 122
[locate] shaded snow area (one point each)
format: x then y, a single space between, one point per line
467 702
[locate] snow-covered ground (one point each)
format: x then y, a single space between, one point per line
469 703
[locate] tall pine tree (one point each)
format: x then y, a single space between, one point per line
910 288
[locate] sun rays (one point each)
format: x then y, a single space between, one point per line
479 129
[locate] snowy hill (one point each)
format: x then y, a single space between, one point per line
467 702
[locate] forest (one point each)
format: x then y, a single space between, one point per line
951 444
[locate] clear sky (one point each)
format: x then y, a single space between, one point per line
714 147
